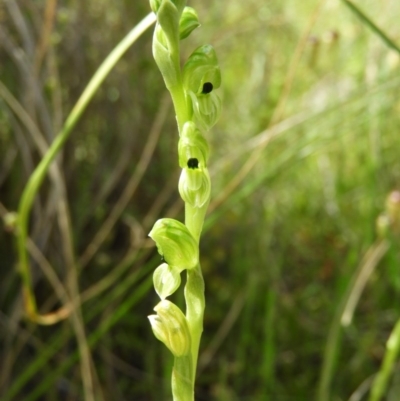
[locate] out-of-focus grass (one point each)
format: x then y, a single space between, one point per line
279 251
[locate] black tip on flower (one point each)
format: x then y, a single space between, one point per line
193 163
207 88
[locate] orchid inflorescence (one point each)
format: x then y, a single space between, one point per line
197 109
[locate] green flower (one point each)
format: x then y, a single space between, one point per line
195 184
170 327
201 76
206 109
202 69
175 243
192 145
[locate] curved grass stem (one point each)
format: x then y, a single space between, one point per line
382 378
41 170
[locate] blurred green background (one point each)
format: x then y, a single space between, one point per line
304 155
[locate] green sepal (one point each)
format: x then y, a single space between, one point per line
166 280
170 326
206 109
175 243
200 68
192 145
188 23
195 186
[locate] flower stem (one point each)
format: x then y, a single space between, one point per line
381 380
182 379
180 103
195 304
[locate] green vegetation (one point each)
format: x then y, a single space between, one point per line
302 289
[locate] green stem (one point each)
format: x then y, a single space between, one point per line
182 379
194 219
392 352
194 290
41 170
180 103
195 305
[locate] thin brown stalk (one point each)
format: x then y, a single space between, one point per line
371 259
47 28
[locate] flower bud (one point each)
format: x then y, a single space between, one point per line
166 280
202 69
206 109
162 56
188 23
168 19
170 327
175 243
195 186
192 145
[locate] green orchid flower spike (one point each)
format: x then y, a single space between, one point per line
197 107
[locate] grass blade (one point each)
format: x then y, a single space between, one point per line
371 25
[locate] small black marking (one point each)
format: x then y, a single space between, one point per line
193 163
207 88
